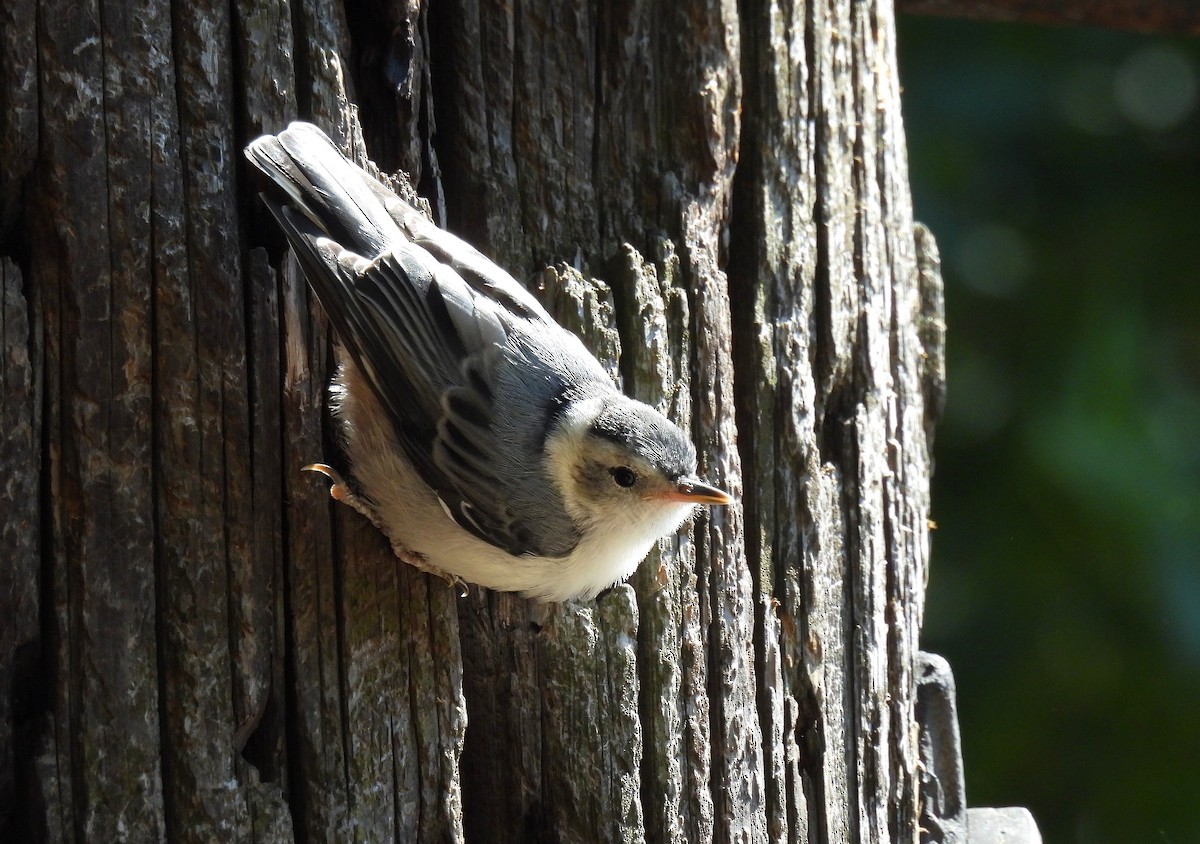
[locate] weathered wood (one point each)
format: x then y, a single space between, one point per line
20 530
101 739
222 652
266 71
674 701
316 746
18 104
259 689
828 320
592 742
205 469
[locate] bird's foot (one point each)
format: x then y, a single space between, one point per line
340 491
452 580
420 563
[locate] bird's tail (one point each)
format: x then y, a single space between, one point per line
315 179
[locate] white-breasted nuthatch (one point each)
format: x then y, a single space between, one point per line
483 439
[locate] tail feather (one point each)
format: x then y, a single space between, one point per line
332 192
354 209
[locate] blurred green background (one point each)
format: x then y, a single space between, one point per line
1060 171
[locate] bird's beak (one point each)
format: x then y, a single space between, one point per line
693 491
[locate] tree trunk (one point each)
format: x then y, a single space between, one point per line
199 645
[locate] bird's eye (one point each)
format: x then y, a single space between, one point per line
623 476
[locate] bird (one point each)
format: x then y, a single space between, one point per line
482 438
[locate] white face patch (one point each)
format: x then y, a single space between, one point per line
565 449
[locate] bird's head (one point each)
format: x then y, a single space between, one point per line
623 466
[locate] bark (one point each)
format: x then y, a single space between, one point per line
199 645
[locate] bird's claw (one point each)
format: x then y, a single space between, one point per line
457 584
419 562
340 490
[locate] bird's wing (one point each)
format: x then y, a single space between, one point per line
433 347
479 271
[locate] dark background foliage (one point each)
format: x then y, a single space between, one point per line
1060 171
